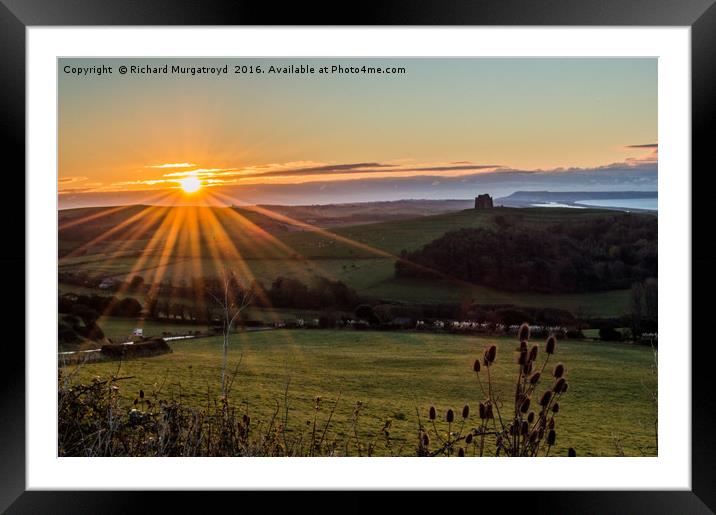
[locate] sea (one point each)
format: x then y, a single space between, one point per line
648 204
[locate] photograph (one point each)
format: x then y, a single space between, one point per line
361 257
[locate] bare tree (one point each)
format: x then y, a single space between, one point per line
232 298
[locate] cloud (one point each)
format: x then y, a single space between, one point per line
200 171
645 145
70 180
171 165
370 168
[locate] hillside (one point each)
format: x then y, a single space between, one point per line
157 243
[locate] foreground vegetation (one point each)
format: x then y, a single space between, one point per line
374 388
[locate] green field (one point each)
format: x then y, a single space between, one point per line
360 255
608 406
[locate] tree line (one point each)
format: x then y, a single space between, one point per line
593 255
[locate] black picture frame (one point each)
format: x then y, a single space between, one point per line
700 15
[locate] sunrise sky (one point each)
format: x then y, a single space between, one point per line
443 117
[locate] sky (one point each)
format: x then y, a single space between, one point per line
444 120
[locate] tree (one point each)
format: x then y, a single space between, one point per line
88 315
366 312
232 299
137 283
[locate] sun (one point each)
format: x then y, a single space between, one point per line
190 184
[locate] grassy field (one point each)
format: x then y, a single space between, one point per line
359 255
608 406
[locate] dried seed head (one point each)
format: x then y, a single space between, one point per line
524 428
534 379
524 332
136 401
551 437
522 359
523 345
550 424
483 411
465 411
491 353
533 352
432 413
564 387
426 440
488 412
468 438
525 406
450 416
461 452
141 394
559 370
559 385
551 344
571 453
527 368
531 417
476 365
555 407
546 397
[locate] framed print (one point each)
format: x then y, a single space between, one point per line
283 253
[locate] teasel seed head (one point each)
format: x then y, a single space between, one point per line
551 344
571 453
524 332
468 438
533 352
525 406
491 353
523 345
476 366
141 394
426 440
461 452
559 385
527 368
432 413
488 412
483 411
450 416
531 417
465 411
522 359
550 424
551 437
559 370
546 397
555 407
564 387
524 428
534 378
